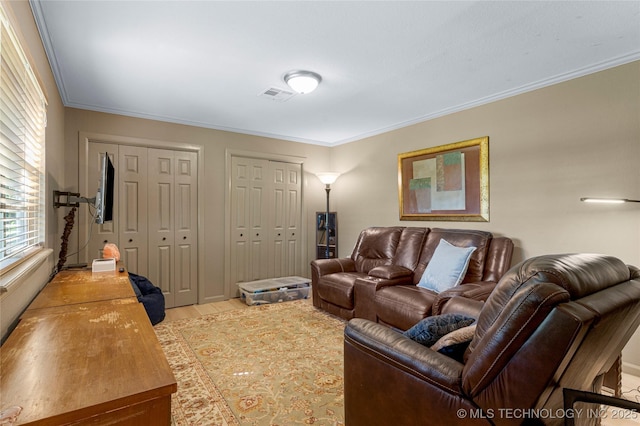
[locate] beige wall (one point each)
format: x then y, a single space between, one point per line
18 297
215 144
547 149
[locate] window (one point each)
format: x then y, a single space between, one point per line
22 134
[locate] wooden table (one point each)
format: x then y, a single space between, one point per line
94 359
79 286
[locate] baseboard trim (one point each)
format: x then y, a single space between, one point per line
629 368
212 299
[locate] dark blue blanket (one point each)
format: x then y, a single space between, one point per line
150 296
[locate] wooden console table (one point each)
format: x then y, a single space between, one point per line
84 352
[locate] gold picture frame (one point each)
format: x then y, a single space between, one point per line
447 182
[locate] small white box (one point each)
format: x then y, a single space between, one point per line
103 265
275 290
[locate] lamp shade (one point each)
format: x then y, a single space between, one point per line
328 177
303 81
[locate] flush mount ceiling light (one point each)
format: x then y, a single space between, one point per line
303 81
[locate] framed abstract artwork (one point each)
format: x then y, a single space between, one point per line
448 182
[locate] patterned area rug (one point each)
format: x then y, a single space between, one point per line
279 364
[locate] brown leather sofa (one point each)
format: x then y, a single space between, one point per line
379 281
552 322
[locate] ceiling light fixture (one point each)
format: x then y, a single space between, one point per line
302 81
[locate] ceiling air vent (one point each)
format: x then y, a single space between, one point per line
276 94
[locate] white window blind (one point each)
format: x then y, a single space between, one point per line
22 134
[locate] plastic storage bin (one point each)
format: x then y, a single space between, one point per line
275 290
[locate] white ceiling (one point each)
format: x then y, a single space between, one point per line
384 64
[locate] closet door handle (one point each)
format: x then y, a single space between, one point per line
164 238
130 240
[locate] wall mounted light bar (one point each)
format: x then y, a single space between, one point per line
608 200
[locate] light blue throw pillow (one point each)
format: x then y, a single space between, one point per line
447 267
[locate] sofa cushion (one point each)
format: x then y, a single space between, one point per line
338 288
429 330
447 267
402 306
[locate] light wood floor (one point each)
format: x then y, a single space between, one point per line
194 311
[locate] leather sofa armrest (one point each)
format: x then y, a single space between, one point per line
365 293
462 305
479 291
320 267
390 272
365 288
395 350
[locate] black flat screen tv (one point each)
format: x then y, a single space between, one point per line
104 196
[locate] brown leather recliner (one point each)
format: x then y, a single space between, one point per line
332 280
379 280
552 322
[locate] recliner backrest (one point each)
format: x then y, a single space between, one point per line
376 246
498 259
460 238
410 246
550 320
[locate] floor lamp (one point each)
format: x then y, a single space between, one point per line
327 178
